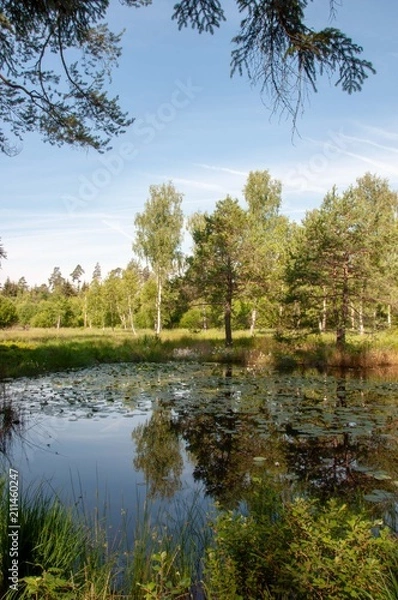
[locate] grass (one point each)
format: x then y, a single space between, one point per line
37 351
63 554
279 546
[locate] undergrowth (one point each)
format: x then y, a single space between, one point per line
278 545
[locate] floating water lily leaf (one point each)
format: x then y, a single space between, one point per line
379 496
259 459
380 475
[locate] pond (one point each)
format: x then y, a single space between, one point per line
113 436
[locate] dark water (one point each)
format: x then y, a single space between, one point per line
112 436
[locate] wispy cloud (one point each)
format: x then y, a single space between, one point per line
221 169
372 143
199 185
387 134
376 164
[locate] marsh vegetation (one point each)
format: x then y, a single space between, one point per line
204 480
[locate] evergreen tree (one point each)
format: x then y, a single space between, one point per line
346 253
216 267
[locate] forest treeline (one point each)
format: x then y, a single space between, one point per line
250 267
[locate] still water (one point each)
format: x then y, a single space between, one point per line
112 436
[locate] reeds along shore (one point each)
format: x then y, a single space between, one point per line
263 552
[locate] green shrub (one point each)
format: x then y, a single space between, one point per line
8 313
301 550
192 319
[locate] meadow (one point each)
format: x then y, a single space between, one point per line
36 351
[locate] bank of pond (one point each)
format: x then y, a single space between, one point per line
36 351
189 479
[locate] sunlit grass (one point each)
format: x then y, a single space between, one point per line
36 351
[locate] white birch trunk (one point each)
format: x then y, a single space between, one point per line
158 307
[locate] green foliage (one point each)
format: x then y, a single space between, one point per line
216 269
50 585
335 553
8 312
344 259
167 583
193 319
67 103
159 237
277 50
298 549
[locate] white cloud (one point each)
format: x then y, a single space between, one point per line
222 169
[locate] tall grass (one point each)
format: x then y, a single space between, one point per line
56 556
67 555
36 351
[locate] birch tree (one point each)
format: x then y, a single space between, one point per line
265 244
159 236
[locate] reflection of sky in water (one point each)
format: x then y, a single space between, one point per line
76 434
76 429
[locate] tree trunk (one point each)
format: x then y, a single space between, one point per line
204 319
352 316
159 306
253 321
227 323
228 310
343 316
322 323
389 322
131 317
85 311
361 327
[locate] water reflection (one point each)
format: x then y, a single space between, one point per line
181 423
158 453
11 421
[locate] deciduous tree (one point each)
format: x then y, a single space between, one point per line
159 236
265 245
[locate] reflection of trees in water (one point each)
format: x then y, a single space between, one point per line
223 441
10 420
293 428
319 446
328 464
158 453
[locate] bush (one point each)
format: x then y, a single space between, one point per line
192 319
299 550
8 313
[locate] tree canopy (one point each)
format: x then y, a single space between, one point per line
249 268
56 57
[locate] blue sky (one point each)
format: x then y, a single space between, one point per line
200 129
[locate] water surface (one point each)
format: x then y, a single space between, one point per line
113 435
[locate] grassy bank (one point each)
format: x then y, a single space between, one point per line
280 547
39 351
